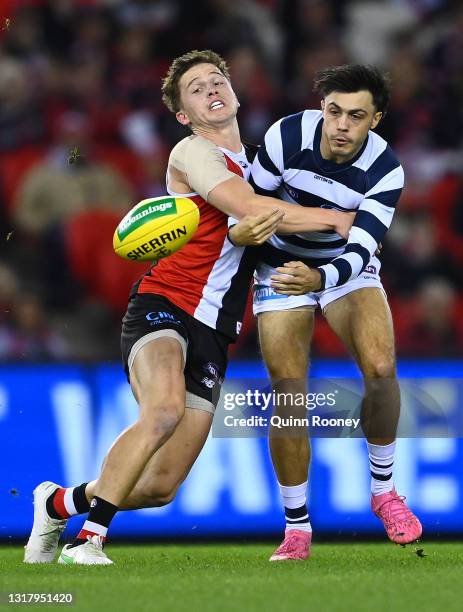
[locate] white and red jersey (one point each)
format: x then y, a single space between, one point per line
209 278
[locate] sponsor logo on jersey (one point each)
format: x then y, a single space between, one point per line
263 293
159 209
156 318
370 270
317 177
157 245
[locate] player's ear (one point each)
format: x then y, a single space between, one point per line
322 104
376 119
182 117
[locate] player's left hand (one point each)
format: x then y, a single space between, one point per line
295 278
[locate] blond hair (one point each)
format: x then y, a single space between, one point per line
170 84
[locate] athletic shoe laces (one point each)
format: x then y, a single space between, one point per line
394 510
95 546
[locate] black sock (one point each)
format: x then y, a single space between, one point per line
80 501
100 516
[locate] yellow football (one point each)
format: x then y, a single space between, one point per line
156 228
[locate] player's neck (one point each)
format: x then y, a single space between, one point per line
227 137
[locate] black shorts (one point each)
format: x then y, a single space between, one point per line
206 348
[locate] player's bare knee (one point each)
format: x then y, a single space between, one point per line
159 424
164 423
381 367
286 371
163 407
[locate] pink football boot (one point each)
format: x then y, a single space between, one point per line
401 525
295 546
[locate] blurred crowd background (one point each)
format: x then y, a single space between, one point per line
84 136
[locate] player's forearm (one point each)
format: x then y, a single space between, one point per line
297 218
237 199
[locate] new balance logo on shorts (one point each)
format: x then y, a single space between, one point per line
156 318
263 293
208 382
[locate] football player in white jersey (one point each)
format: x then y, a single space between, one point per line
332 159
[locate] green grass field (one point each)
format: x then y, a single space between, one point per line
222 577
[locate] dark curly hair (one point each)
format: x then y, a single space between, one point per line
351 78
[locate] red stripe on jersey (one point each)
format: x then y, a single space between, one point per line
233 166
181 277
58 503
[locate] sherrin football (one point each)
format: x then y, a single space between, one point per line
156 228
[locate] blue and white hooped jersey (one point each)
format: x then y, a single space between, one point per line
289 166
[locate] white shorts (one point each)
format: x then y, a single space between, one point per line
265 299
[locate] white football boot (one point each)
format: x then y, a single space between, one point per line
46 531
90 553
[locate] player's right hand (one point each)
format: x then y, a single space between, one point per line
255 230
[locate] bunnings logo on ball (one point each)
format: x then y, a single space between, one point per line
152 209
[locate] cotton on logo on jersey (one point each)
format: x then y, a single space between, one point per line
317 177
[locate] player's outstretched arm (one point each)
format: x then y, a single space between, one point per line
237 199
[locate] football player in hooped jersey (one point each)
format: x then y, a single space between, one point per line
331 158
181 317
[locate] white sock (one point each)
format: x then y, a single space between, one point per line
381 465
295 503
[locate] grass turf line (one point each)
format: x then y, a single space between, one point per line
223 577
